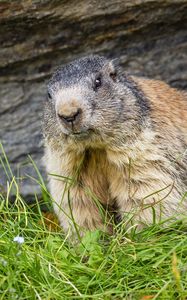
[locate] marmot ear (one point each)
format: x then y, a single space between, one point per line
113 75
49 95
111 70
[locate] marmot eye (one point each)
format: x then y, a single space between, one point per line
49 95
97 82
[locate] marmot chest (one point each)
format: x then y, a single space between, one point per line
95 174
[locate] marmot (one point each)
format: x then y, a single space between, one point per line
114 141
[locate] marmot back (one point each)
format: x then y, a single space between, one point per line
122 140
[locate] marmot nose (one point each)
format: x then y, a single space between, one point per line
72 118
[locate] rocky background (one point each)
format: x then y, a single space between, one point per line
149 38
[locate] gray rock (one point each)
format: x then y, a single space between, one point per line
148 37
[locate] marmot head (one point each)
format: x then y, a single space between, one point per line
88 97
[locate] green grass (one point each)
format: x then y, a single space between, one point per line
151 264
